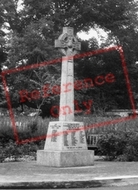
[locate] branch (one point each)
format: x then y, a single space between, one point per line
37 75
31 80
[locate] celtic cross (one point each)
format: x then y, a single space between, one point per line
67 42
68 45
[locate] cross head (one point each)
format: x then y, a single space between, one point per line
67 42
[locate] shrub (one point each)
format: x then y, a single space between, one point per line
33 126
119 145
27 128
131 149
2 155
111 145
12 150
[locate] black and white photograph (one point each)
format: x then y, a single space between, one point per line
69 94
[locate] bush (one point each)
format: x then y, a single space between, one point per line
111 145
131 150
12 150
27 128
119 145
30 131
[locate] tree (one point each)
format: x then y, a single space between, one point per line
34 29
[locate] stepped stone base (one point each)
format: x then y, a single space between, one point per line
65 158
65 146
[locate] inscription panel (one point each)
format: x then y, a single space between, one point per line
55 128
65 136
54 137
74 137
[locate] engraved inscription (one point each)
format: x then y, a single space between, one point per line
66 139
82 136
73 126
73 139
54 137
55 126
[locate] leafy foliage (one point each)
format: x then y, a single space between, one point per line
33 29
119 145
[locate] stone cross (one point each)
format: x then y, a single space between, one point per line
68 45
65 144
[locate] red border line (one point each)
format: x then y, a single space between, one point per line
127 80
34 66
15 132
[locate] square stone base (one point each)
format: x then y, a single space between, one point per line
65 158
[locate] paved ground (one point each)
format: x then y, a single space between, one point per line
131 187
29 174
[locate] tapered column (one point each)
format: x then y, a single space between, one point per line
68 45
67 91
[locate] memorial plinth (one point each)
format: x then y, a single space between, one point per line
65 144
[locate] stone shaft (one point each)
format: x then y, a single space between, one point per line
67 91
68 45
